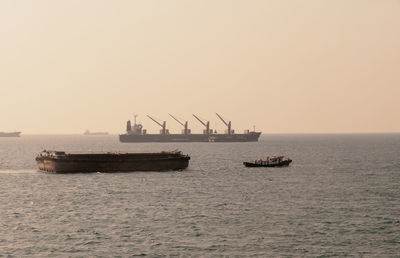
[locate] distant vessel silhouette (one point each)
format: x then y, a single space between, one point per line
87 132
10 134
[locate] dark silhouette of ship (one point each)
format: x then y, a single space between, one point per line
87 132
275 161
10 134
137 133
63 162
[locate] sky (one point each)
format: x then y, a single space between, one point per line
313 66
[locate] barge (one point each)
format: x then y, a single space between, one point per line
63 162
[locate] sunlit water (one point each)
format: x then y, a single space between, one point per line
340 196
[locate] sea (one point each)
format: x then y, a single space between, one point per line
340 197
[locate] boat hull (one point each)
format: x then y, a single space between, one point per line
284 163
250 137
163 138
112 162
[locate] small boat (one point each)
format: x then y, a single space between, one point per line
275 161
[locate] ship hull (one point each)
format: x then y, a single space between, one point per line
250 137
112 162
12 134
163 138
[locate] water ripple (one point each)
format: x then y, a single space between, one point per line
340 198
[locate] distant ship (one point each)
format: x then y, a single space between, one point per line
87 132
10 134
136 133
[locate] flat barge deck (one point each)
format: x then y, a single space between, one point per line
62 162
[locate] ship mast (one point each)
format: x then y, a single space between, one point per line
163 125
185 125
227 124
206 125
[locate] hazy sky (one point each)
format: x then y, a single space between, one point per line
309 66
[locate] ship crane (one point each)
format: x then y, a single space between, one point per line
227 124
163 125
207 125
185 125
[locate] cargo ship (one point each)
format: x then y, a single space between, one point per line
87 132
136 133
10 134
62 162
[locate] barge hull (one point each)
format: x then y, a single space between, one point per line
83 163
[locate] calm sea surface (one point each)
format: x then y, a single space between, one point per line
340 197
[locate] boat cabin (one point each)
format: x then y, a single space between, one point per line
270 160
275 159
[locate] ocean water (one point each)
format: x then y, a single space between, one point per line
340 197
